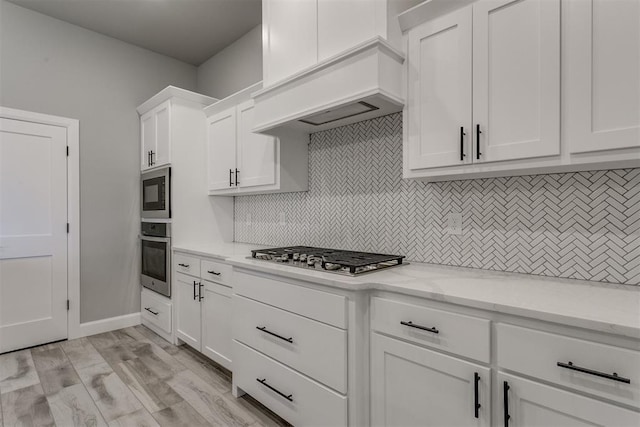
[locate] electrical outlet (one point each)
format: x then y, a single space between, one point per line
283 219
454 223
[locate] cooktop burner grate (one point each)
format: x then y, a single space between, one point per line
333 260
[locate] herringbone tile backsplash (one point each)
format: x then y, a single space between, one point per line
579 225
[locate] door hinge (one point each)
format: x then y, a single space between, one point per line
68 304
67 228
67 151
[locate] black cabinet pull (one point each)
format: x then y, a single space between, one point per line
505 391
237 172
151 157
194 290
148 158
478 132
476 397
423 328
213 272
184 265
200 286
155 313
462 134
264 383
230 177
614 376
264 329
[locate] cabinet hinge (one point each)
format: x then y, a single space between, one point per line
67 151
67 228
68 305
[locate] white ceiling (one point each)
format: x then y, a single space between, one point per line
189 30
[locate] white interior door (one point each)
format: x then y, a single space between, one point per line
516 79
33 234
440 92
256 152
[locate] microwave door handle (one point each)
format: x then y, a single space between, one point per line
156 239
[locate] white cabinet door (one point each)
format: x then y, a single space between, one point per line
221 145
188 310
413 386
516 79
256 153
216 323
147 139
601 84
290 38
531 404
344 24
439 92
162 151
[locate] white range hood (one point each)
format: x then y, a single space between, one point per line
358 84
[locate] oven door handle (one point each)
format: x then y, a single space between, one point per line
156 239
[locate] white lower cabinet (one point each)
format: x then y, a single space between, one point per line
527 403
203 307
415 386
155 313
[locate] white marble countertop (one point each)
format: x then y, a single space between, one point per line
597 306
220 250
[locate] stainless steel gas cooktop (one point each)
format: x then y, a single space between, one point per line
331 260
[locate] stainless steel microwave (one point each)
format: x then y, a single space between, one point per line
156 193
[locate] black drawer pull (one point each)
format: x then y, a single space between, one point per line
505 402
213 272
423 328
264 329
613 376
476 396
264 383
155 313
184 265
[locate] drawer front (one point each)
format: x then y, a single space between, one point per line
323 306
443 330
156 310
537 354
186 264
215 272
310 404
311 347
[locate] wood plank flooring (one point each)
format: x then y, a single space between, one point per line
125 378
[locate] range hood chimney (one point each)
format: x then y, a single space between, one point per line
359 84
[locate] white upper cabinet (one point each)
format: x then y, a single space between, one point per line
155 129
240 161
520 87
289 37
439 92
602 65
516 79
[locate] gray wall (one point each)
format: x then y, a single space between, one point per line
52 67
236 67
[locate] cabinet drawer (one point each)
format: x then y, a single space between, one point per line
323 306
311 347
537 354
446 331
156 310
215 272
309 403
186 264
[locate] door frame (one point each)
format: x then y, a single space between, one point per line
73 205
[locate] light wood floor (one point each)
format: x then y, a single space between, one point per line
129 377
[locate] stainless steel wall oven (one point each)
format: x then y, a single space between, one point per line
156 257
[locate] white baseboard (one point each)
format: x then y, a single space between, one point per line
106 325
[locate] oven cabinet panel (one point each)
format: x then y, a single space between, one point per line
414 386
216 323
155 137
531 404
155 311
188 310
